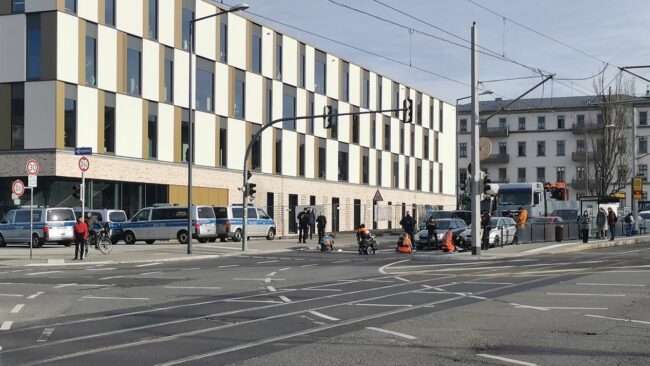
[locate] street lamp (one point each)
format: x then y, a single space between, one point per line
190 145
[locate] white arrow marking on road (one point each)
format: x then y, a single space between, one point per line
504 359
392 332
47 332
321 315
6 325
17 308
34 295
271 274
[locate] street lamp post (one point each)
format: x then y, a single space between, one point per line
190 145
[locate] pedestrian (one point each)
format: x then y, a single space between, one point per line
585 225
408 225
304 225
312 222
611 222
601 220
629 223
80 236
321 222
431 233
299 220
485 225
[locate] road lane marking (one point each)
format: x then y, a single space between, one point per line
149 273
100 269
284 298
263 262
398 334
33 296
321 289
321 315
40 273
162 277
386 305
504 359
580 294
148 264
191 269
401 279
489 283
194 287
624 267
47 332
229 265
256 301
110 277
257 279
284 269
11 295
271 274
271 288
608 284
17 308
64 285
618 319
114 298
626 271
6 325
308 265
342 261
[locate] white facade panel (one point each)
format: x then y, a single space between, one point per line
106 58
319 103
364 129
426 167
419 148
277 99
221 94
372 167
395 135
402 168
181 82
372 104
344 123
290 65
129 16
426 117
386 166
204 43
205 134
88 10
236 131
165 132
151 73
237 41
254 97
32 6
332 162
87 109
355 85
289 153
310 156
268 52
268 146
354 164
386 93
40 124
67 55
12 60
166 21
301 110
128 126
333 75
310 57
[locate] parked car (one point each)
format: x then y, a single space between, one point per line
457 226
230 219
569 215
166 222
503 231
461 214
113 218
49 225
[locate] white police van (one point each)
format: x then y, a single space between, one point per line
54 224
165 222
230 220
113 219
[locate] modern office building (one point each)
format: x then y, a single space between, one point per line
544 140
113 75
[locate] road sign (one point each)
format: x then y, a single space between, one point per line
83 150
31 181
377 197
32 167
637 187
18 187
84 164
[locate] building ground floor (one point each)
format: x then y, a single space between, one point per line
131 184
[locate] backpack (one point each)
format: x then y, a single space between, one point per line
628 219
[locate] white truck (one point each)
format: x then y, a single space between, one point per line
532 197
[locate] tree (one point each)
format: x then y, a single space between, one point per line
610 138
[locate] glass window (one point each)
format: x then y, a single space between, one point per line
153 19
91 61
365 96
463 125
310 108
522 123
289 107
61 214
580 119
223 39
343 162
240 94
541 148
541 174
521 148
185 135
188 16
71 5
418 175
256 47
560 123
278 57
223 142
395 162
441 114
521 175
301 155
278 151
643 118
643 145
503 148
320 72
17 6
401 138
355 126
502 123
643 171
134 66
379 92
34 39
168 82
462 150
541 123
142 215
269 99
373 130
395 101
345 81
256 149
407 173
334 131
378 168
152 131
425 144
365 166
70 123
418 108
109 123
17 116
503 174
386 133
561 148
204 85
412 139
322 158
561 177
109 12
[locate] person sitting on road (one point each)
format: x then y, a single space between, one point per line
327 244
448 242
404 244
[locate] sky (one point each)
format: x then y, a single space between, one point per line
604 34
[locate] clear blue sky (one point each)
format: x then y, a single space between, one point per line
612 31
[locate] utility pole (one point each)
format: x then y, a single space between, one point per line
635 229
476 169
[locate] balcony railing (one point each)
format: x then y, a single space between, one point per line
580 155
494 131
580 183
497 159
581 128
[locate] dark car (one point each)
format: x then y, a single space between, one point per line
454 214
456 225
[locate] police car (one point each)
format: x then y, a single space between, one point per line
112 218
54 224
231 218
165 222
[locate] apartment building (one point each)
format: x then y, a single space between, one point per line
113 75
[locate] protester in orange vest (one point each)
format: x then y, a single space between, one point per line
448 242
521 218
404 244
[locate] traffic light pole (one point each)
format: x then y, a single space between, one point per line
476 169
82 191
408 107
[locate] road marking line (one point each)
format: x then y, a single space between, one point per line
114 298
191 269
148 264
284 269
618 319
229 265
99 269
321 315
607 284
478 297
578 294
322 289
626 271
263 262
504 359
624 267
284 298
342 261
572 308
380 281
387 305
163 277
519 306
34 295
6 325
308 265
401 279
271 288
64 285
110 277
194 287
40 273
489 283
11 295
17 308
392 332
149 273
257 279
271 274
262 301
47 332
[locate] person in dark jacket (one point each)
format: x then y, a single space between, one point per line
585 225
312 222
408 225
611 222
303 225
431 233
485 225
601 220
321 222
299 219
80 236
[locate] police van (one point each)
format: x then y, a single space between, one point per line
54 224
165 222
230 220
108 217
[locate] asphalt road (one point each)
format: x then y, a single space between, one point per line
584 308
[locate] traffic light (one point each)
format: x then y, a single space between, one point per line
327 117
407 116
76 191
251 190
486 185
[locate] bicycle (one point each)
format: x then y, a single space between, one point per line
100 241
